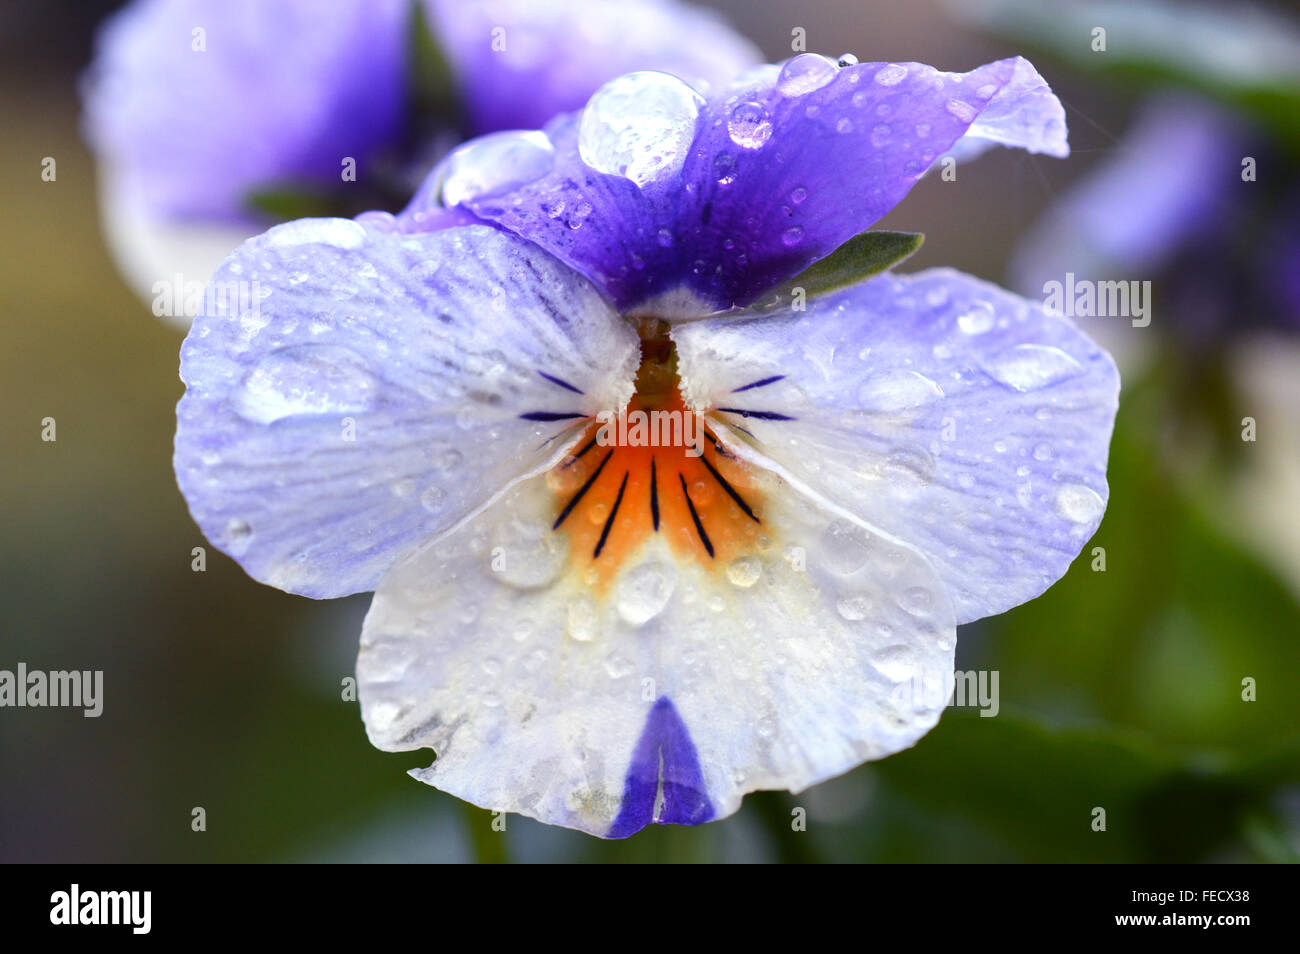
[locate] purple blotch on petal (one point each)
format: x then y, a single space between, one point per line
664 784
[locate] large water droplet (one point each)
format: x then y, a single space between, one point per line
584 620
493 163
1079 504
897 389
977 319
844 548
749 125
891 74
644 591
525 552
804 73
895 663
1028 367
341 233
305 379
639 126
745 571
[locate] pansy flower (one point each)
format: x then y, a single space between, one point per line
660 506
211 118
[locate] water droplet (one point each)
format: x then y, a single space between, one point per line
584 620
909 467
665 238
341 233
404 487
639 126
792 236
895 663
644 591
847 59
976 320
880 135
805 73
891 74
492 164
845 125
963 111
854 608
844 548
1043 452
917 600
745 571
1079 504
618 666
431 499
1028 367
238 535
897 389
724 168
749 125
798 194
305 379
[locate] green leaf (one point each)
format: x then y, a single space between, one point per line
861 257
434 97
285 204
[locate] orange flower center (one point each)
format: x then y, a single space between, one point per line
658 467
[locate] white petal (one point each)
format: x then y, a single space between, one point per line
672 693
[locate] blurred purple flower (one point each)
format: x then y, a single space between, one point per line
1171 202
601 634
194 106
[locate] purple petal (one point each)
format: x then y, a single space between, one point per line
277 92
703 208
352 391
959 418
520 62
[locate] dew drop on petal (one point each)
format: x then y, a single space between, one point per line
341 233
744 572
895 663
749 125
854 608
527 554
1029 367
844 548
644 591
805 73
891 74
1079 504
584 620
639 126
897 389
305 379
238 535
792 236
962 110
977 319
492 163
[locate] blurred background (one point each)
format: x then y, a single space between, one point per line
1120 688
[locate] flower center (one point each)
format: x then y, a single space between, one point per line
657 467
